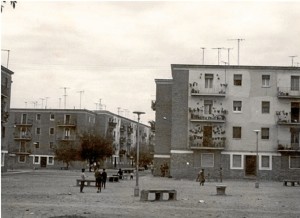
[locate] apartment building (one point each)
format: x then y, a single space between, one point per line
35 133
6 81
206 116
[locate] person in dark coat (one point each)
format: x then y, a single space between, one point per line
202 177
98 177
104 177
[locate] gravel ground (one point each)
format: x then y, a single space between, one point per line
53 194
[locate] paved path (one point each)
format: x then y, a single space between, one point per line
53 194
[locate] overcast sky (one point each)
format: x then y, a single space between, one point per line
114 50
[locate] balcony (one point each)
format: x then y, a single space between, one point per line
208 144
20 151
287 93
70 123
122 128
285 118
208 118
153 105
122 140
66 138
23 123
218 92
22 137
285 146
112 123
129 130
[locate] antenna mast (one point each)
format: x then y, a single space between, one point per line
218 54
203 55
65 96
293 56
238 40
80 93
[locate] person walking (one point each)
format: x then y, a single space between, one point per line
202 177
82 180
98 177
104 177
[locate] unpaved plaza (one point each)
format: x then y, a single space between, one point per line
51 193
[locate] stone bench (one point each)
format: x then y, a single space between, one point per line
113 178
87 182
221 189
291 181
159 194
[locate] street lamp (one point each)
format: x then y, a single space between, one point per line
34 149
136 188
257 159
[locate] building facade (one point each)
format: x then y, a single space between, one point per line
206 116
35 133
6 81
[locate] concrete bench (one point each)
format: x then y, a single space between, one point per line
172 194
221 189
87 182
113 178
291 181
128 171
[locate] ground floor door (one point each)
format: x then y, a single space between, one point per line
43 161
250 165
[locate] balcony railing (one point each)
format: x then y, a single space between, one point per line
21 137
285 146
129 130
285 118
26 123
221 92
286 92
208 144
209 118
112 123
70 123
66 138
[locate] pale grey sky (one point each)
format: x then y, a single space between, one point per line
114 50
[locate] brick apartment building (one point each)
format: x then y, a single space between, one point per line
206 116
34 133
6 80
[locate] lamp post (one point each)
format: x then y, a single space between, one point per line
257 160
34 148
136 188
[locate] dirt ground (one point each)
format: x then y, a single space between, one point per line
54 194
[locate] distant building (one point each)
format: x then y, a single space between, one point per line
36 132
6 81
205 117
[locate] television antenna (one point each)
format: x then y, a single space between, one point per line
218 54
238 41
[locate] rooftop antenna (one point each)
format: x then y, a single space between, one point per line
7 56
100 105
65 96
59 102
203 55
293 56
228 50
25 104
42 102
218 54
96 106
238 40
80 93
46 98
104 106
119 110
297 64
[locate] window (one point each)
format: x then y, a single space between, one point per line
3 131
51 131
67 133
22 147
38 131
24 118
67 119
2 158
265 133
265 162
36 160
236 161
265 80
208 106
207 160
295 162
209 80
295 83
37 144
50 160
237 106
265 107
237 79
51 145
52 117
236 132
22 158
38 117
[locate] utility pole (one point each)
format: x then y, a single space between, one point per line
218 54
80 93
238 40
293 56
7 56
203 55
228 50
65 96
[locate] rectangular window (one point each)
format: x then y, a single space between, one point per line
22 159
38 117
37 144
51 131
50 160
36 160
208 106
265 80
3 131
67 119
38 131
51 145
67 133
265 133
237 106
237 79
236 161
52 117
209 80
265 107
265 162
207 160
237 132
24 118
22 147
295 162
295 83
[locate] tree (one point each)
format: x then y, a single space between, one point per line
145 157
13 4
94 148
66 152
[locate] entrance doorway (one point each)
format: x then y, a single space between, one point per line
250 169
43 161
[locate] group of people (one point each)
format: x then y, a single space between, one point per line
100 179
